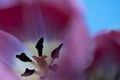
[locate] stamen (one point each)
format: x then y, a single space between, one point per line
55 52
41 64
53 67
28 72
41 61
39 46
23 57
42 78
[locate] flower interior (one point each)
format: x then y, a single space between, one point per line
40 64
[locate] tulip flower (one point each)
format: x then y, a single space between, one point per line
55 36
106 65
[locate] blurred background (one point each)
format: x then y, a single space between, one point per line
102 15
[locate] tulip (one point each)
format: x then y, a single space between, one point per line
61 25
106 65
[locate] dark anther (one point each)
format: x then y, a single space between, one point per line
28 72
23 57
39 46
53 67
42 78
55 52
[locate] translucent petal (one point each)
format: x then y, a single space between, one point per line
6 73
107 49
9 47
30 21
78 45
11 20
105 64
76 54
8 3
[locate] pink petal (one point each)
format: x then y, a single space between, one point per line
11 16
115 35
46 19
11 20
55 19
78 43
76 51
6 73
78 54
107 51
30 21
9 47
8 3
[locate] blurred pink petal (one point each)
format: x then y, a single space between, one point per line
106 54
34 19
107 47
8 3
6 73
11 20
9 47
115 35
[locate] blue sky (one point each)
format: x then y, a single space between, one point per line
102 15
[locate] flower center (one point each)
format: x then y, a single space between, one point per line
40 63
